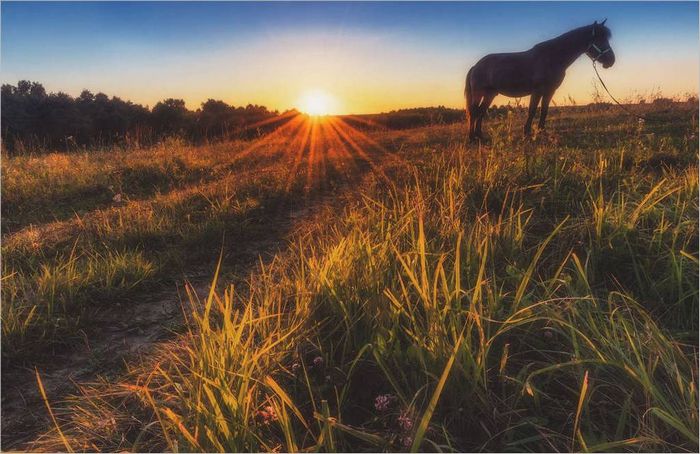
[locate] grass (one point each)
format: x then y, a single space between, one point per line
55 271
529 296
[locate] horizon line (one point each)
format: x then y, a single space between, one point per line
678 97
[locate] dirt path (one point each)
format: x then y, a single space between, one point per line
123 333
118 335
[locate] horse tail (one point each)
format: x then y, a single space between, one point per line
468 96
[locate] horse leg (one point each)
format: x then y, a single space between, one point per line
545 106
483 108
474 114
534 100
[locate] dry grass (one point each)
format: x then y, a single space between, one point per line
530 296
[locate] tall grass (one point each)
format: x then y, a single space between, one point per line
531 296
36 303
53 272
483 339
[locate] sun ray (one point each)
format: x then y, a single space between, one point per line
362 119
362 137
290 126
311 161
279 118
324 155
334 122
298 147
344 155
331 147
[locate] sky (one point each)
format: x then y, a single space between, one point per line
362 57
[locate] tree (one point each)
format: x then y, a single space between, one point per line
170 117
216 119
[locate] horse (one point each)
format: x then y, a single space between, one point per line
537 72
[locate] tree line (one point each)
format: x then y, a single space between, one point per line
416 117
34 120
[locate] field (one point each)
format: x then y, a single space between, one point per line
339 286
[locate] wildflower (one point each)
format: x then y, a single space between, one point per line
548 334
117 198
406 441
295 368
267 415
383 402
405 422
318 361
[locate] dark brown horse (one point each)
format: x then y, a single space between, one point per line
537 72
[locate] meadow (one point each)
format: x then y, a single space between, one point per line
362 289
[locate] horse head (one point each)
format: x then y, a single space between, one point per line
599 48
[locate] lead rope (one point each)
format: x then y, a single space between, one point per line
629 112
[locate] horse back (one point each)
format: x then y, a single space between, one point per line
512 74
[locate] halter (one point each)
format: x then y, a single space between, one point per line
600 51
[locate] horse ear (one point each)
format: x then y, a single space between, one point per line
604 20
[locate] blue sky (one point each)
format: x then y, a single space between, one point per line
368 56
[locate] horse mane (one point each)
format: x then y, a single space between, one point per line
585 31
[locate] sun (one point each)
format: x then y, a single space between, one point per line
317 102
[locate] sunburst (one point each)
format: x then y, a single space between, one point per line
317 102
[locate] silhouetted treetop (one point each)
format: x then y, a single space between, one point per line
34 120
